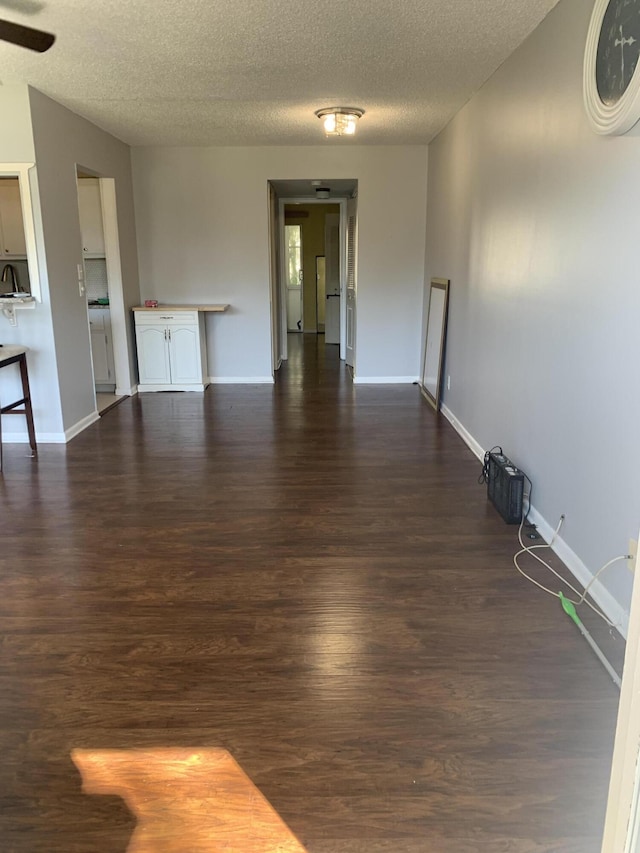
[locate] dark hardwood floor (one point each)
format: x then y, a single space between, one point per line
309 576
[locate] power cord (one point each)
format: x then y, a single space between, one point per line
484 474
582 597
530 549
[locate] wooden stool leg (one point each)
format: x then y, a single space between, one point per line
28 411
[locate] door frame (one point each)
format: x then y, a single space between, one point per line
117 308
118 311
342 203
622 824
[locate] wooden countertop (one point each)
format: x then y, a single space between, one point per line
207 308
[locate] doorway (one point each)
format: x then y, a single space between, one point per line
106 315
288 209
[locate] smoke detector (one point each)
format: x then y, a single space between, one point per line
323 192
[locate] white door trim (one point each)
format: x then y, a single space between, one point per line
622 825
120 338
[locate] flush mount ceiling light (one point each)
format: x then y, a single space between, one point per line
340 121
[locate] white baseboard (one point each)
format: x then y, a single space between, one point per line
81 425
41 438
150 389
384 380
127 392
52 437
464 434
241 380
600 594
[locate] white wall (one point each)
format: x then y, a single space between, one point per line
57 331
62 141
34 328
16 146
536 222
202 224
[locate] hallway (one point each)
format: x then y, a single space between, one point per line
309 576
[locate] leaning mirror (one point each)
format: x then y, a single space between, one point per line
436 332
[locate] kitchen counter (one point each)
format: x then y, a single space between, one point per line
202 308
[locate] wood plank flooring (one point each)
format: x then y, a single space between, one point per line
307 576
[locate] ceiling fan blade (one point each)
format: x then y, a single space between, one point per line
26 36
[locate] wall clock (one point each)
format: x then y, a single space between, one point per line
611 79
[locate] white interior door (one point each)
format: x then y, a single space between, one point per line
351 288
332 278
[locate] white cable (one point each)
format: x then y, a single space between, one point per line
582 597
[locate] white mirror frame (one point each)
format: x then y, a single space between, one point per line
21 171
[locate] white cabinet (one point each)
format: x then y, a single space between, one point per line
102 349
12 240
171 350
91 225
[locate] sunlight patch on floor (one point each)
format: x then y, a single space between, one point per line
187 801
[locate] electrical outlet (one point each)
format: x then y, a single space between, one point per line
448 383
633 554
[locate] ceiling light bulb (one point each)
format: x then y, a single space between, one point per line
349 124
330 123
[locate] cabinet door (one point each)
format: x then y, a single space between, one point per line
13 241
90 207
184 349
100 357
101 346
153 355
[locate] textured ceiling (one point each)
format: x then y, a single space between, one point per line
252 72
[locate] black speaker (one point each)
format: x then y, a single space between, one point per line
505 487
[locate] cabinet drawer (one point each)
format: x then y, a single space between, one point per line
96 321
166 318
